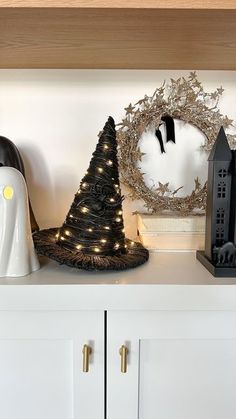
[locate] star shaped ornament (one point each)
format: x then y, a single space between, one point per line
129 109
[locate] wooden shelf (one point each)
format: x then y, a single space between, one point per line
124 4
160 34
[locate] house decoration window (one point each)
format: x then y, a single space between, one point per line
221 190
220 233
220 216
222 173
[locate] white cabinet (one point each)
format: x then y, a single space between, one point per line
181 342
181 365
41 365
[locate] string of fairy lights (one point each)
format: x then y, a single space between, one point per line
94 224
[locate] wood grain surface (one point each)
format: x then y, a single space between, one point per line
117 38
144 4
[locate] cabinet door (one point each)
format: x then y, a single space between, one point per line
181 365
41 360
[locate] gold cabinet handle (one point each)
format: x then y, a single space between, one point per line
124 358
87 350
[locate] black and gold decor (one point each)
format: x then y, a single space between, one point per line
219 256
93 236
185 100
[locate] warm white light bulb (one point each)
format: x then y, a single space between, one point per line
84 210
96 249
62 238
78 247
90 230
67 233
105 147
117 246
71 216
109 162
118 219
107 228
123 230
119 212
84 184
57 235
100 169
103 240
132 243
112 200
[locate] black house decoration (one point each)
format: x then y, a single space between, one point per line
219 256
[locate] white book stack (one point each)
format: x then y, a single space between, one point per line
165 232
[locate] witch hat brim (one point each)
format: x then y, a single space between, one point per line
46 244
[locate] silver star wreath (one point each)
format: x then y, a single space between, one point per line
182 99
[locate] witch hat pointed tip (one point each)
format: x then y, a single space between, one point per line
109 128
110 123
111 120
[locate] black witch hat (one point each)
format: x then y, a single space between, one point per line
10 157
93 236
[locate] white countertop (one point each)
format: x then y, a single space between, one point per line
177 268
173 280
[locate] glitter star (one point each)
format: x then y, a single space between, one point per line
129 109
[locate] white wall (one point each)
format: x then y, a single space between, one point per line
54 116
